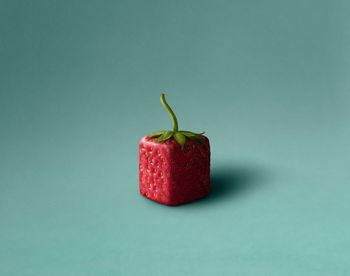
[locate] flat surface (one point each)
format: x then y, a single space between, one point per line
79 86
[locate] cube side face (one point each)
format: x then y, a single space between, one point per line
190 172
154 170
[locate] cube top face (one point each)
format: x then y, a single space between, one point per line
173 176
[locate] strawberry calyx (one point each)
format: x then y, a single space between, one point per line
180 136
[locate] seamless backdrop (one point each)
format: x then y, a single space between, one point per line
79 85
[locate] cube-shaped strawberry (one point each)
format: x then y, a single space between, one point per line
174 166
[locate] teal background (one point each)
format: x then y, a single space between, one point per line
79 85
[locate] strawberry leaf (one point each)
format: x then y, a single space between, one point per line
191 132
193 136
180 139
165 136
155 134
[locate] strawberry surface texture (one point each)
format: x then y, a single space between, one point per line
172 175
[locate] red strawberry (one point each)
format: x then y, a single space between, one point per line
174 166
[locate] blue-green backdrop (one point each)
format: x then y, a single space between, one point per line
79 85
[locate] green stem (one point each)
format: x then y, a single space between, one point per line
170 111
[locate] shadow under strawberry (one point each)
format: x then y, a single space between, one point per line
229 182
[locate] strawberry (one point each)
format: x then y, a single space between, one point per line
174 166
